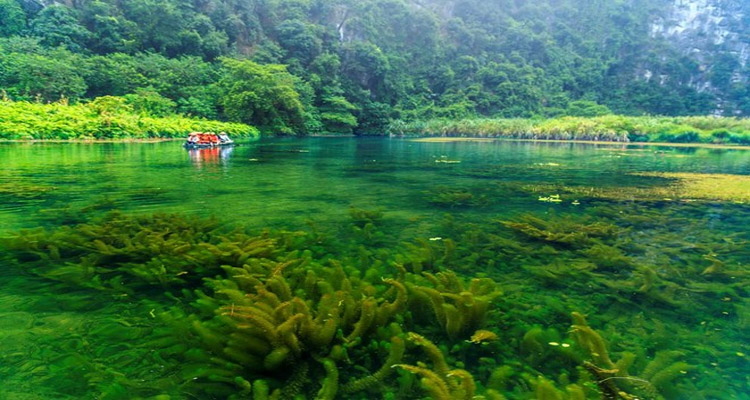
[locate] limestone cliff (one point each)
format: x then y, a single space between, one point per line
716 35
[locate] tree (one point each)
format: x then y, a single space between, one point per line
299 40
149 102
34 76
12 18
584 108
336 115
262 95
57 25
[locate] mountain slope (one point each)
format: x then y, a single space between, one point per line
376 60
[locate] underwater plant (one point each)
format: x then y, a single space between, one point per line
460 309
563 230
450 197
25 191
278 322
121 253
656 380
279 314
441 382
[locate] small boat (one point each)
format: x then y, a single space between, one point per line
204 140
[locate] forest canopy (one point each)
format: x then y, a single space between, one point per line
346 66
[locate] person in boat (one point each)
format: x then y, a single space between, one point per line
224 137
208 139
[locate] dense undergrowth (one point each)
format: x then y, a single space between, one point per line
104 118
491 310
613 128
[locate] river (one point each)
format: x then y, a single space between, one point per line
125 270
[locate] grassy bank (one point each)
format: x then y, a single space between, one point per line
612 128
106 118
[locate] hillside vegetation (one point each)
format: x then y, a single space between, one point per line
346 66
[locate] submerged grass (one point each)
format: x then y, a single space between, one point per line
660 187
720 187
213 312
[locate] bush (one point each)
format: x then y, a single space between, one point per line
614 128
149 102
106 117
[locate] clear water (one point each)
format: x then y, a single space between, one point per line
61 340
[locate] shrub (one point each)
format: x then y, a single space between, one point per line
106 117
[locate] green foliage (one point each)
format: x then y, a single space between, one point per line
336 115
106 117
31 76
151 103
372 61
613 128
583 108
263 95
58 25
12 18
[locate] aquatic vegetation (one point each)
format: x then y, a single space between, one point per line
281 325
563 230
459 308
663 187
322 313
121 252
451 198
656 380
423 255
483 336
25 191
269 317
560 272
362 217
553 198
366 226
712 187
440 382
268 324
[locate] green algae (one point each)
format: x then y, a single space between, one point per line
663 187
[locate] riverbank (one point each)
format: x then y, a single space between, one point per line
105 119
574 141
608 128
93 141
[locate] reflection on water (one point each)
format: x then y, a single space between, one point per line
210 156
325 253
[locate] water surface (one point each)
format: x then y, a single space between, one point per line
640 272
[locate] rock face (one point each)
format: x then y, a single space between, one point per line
705 26
716 35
